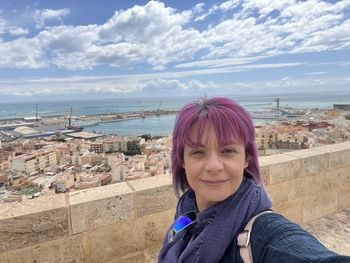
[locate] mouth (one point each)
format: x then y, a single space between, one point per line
214 182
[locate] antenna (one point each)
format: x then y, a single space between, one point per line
36 112
158 110
143 113
70 117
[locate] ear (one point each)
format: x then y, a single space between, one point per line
246 162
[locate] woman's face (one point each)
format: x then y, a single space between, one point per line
213 172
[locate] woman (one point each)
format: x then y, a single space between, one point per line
215 165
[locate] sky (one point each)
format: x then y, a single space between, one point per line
113 49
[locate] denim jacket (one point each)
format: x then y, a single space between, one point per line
274 239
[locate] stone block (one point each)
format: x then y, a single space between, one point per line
64 250
3 257
343 175
339 154
152 253
114 241
329 181
312 161
318 206
339 159
281 167
344 198
153 195
291 210
101 206
334 147
305 187
265 174
32 222
137 258
156 226
279 192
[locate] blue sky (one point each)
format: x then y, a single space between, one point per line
91 49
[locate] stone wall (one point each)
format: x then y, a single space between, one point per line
126 222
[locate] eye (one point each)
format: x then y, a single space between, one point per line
197 152
229 151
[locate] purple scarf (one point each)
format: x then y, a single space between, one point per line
216 227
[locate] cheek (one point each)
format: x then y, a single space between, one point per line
191 172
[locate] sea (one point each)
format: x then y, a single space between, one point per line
161 125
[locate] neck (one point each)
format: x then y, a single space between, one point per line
203 205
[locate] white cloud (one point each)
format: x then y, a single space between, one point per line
296 28
21 53
316 73
264 7
223 7
196 84
289 84
140 85
228 5
158 35
142 24
159 67
214 63
41 16
198 8
150 33
18 31
336 38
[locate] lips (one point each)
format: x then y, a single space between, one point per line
214 182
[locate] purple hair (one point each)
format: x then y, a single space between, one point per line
232 124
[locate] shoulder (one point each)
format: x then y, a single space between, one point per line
277 239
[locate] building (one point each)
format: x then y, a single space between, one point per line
38 161
96 147
341 106
64 182
4 166
134 146
119 171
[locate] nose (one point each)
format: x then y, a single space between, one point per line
214 163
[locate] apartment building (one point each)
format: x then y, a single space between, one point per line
4 166
96 147
38 161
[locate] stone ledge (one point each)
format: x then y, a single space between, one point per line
43 203
339 154
279 168
64 250
97 207
153 195
313 161
33 221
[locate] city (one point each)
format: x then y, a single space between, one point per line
62 162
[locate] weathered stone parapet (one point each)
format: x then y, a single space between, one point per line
153 195
33 222
126 222
102 206
69 249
